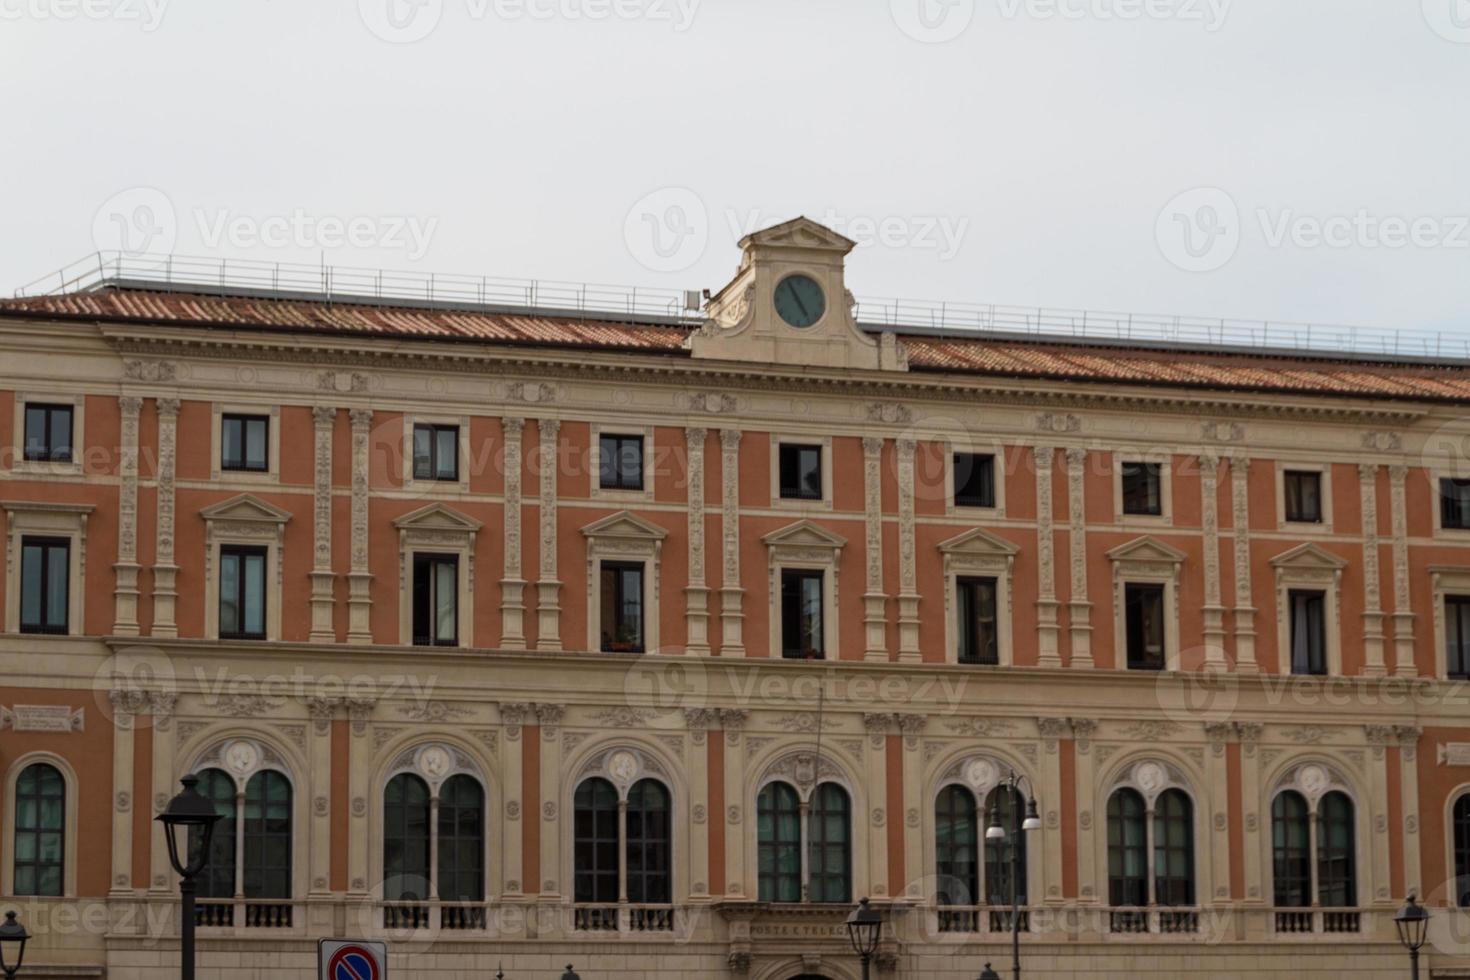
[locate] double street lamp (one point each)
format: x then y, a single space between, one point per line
195 816
996 832
1413 923
12 935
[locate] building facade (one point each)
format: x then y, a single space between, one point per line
652 644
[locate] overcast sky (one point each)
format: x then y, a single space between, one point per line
1284 159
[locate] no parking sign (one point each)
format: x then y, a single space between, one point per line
352 959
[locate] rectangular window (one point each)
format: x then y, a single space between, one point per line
1144 624
801 472
1457 636
1454 503
245 443
45 582
241 593
801 614
974 480
1308 632
435 600
979 642
622 607
1143 488
1303 496
621 462
48 433
435 452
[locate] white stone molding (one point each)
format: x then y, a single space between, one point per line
1403 603
1243 615
165 572
359 579
512 584
1311 568
982 554
1079 609
908 588
624 537
696 593
51 520
875 600
125 591
1373 660
323 581
1047 626
437 529
804 545
732 595
1148 561
245 520
548 588
1214 610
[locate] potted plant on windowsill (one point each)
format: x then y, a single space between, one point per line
623 641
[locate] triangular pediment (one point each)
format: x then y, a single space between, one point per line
1146 549
804 534
437 517
799 232
977 542
624 525
245 507
1308 556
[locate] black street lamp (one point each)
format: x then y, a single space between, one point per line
1413 923
864 929
995 831
570 974
188 812
12 935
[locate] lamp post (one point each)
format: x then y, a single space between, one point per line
995 831
188 812
864 929
12 934
570 974
1413 923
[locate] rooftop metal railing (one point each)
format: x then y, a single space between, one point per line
358 285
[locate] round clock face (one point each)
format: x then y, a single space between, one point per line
800 301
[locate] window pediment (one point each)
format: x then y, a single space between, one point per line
800 232
245 509
978 550
437 517
805 536
1148 551
626 526
1308 557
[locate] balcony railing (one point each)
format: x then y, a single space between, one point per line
1159 921
251 914
970 918
1326 922
623 918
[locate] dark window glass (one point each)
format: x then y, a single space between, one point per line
1337 885
217 880
595 843
40 831
1004 807
1143 607
622 606
245 442
956 854
48 433
45 580
801 472
829 849
650 862
436 452
406 839
1454 503
1143 488
621 462
461 840
1308 632
1461 820
1303 496
778 843
979 643
242 593
1291 851
974 480
1173 849
1127 850
267 836
1457 635
435 600
801 614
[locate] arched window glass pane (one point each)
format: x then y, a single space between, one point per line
1127 850
595 854
1005 806
40 831
461 840
1336 863
268 836
829 855
1174 849
778 836
1290 851
217 880
957 862
406 839
1461 820
650 864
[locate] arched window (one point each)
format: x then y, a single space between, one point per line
596 842
40 831
1127 850
1004 805
406 839
461 840
1291 850
829 845
1461 820
267 830
955 834
1173 849
650 868
1337 880
778 836
217 880
622 855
